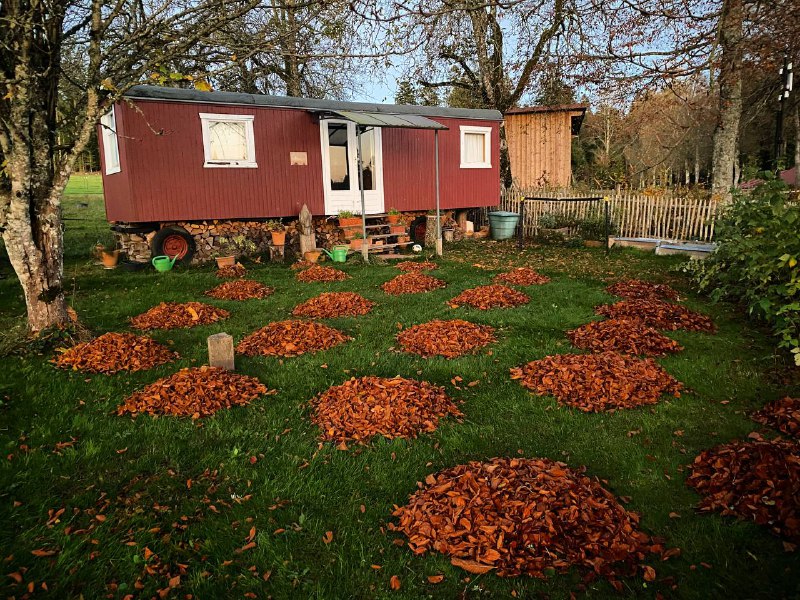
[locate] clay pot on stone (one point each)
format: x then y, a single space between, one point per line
278 238
109 259
225 261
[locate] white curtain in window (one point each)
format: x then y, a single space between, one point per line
474 148
110 142
227 140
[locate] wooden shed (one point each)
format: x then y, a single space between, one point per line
540 143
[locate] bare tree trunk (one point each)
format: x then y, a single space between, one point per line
696 165
730 99
797 144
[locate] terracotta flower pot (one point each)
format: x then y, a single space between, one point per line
109 259
350 232
397 229
392 219
356 243
225 261
312 256
349 221
278 238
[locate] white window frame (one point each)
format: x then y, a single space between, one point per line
487 146
108 127
250 163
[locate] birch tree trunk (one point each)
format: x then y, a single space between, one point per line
730 99
797 144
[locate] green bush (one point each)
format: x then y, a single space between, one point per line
757 260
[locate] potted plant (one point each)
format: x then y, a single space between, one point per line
393 216
278 232
224 252
397 229
593 232
349 219
357 241
109 258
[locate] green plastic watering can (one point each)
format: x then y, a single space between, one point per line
339 253
163 263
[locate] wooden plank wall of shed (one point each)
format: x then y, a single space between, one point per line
540 148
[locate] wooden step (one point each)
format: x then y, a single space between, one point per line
395 245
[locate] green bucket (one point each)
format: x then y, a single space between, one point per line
502 224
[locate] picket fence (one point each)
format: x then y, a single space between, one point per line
634 215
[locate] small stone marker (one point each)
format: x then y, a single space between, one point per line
220 351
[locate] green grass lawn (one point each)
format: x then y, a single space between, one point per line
135 471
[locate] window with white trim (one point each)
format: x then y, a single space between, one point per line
228 141
108 128
476 147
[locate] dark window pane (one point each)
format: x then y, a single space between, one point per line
338 155
368 158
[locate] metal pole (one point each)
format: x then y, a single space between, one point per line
521 233
438 217
364 241
605 207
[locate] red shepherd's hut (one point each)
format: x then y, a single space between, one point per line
175 159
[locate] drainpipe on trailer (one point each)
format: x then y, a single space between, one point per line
438 217
364 243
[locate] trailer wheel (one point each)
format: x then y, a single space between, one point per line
173 242
417 230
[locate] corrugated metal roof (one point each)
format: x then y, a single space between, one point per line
371 119
152 92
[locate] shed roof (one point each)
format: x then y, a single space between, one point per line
523 110
371 119
152 92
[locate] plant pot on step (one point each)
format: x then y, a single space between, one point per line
356 243
397 229
225 261
392 219
278 238
109 259
349 221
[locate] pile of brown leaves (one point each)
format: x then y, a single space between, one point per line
174 315
412 283
445 338
636 289
525 516
783 415
334 304
490 296
321 273
521 276
114 352
629 336
196 392
241 289
290 338
756 480
415 265
232 272
601 382
659 314
360 409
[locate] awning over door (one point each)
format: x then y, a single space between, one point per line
372 119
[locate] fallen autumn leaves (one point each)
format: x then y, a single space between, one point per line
195 392
524 516
241 289
412 283
362 408
114 352
626 335
490 296
334 304
783 415
757 480
290 338
231 272
414 265
658 314
174 315
445 338
522 276
321 273
597 382
634 289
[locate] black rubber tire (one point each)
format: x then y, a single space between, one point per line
164 234
417 233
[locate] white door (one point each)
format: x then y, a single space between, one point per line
340 168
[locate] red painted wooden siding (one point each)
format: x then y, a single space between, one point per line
163 178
